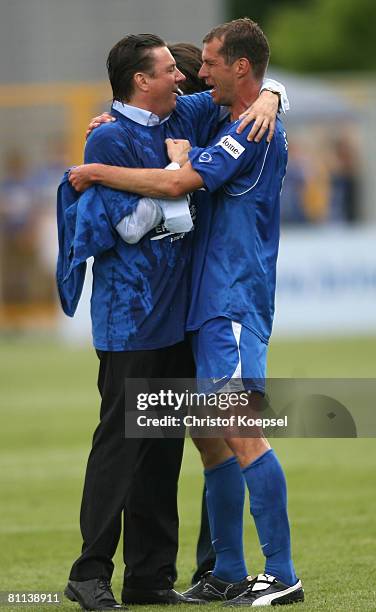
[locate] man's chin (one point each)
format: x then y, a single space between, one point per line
215 96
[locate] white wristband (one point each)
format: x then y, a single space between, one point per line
277 87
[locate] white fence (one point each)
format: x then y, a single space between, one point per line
326 282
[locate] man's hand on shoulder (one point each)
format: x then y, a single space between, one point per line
97 121
177 150
263 112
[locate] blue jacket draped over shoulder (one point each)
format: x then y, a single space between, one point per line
86 228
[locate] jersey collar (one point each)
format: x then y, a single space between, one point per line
139 115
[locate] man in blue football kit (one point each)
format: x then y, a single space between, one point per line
138 321
232 312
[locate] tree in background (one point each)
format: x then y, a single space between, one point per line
316 35
258 10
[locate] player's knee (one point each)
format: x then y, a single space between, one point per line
247 450
212 450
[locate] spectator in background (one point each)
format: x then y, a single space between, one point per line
43 186
28 236
17 225
321 189
294 185
344 188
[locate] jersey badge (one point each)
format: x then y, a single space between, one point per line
205 157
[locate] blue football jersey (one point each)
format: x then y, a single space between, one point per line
140 292
234 264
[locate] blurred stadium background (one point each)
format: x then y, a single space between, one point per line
52 81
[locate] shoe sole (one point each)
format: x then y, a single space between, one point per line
75 597
197 602
69 594
217 600
289 598
154 600
145 602
274 599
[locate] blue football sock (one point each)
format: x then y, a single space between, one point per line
225 502
268 499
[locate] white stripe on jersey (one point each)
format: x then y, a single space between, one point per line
234 195
237 330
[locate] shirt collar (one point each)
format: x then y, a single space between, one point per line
139 115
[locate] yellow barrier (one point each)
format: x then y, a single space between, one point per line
79 100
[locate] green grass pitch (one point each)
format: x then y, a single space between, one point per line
49 407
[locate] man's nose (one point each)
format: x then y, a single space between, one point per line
203 73
179 76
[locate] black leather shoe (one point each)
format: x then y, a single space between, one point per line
95 594
210 588
154 596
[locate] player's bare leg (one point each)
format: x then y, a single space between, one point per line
213 451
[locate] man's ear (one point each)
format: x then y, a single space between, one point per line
141 81
243 66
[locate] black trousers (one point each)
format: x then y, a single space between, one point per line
136 478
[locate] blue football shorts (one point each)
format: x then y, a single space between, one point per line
229 357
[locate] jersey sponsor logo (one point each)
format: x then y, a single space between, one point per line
205 157
160 231
173 237
231 146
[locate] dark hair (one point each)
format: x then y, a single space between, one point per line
243 38
188 60
130 55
